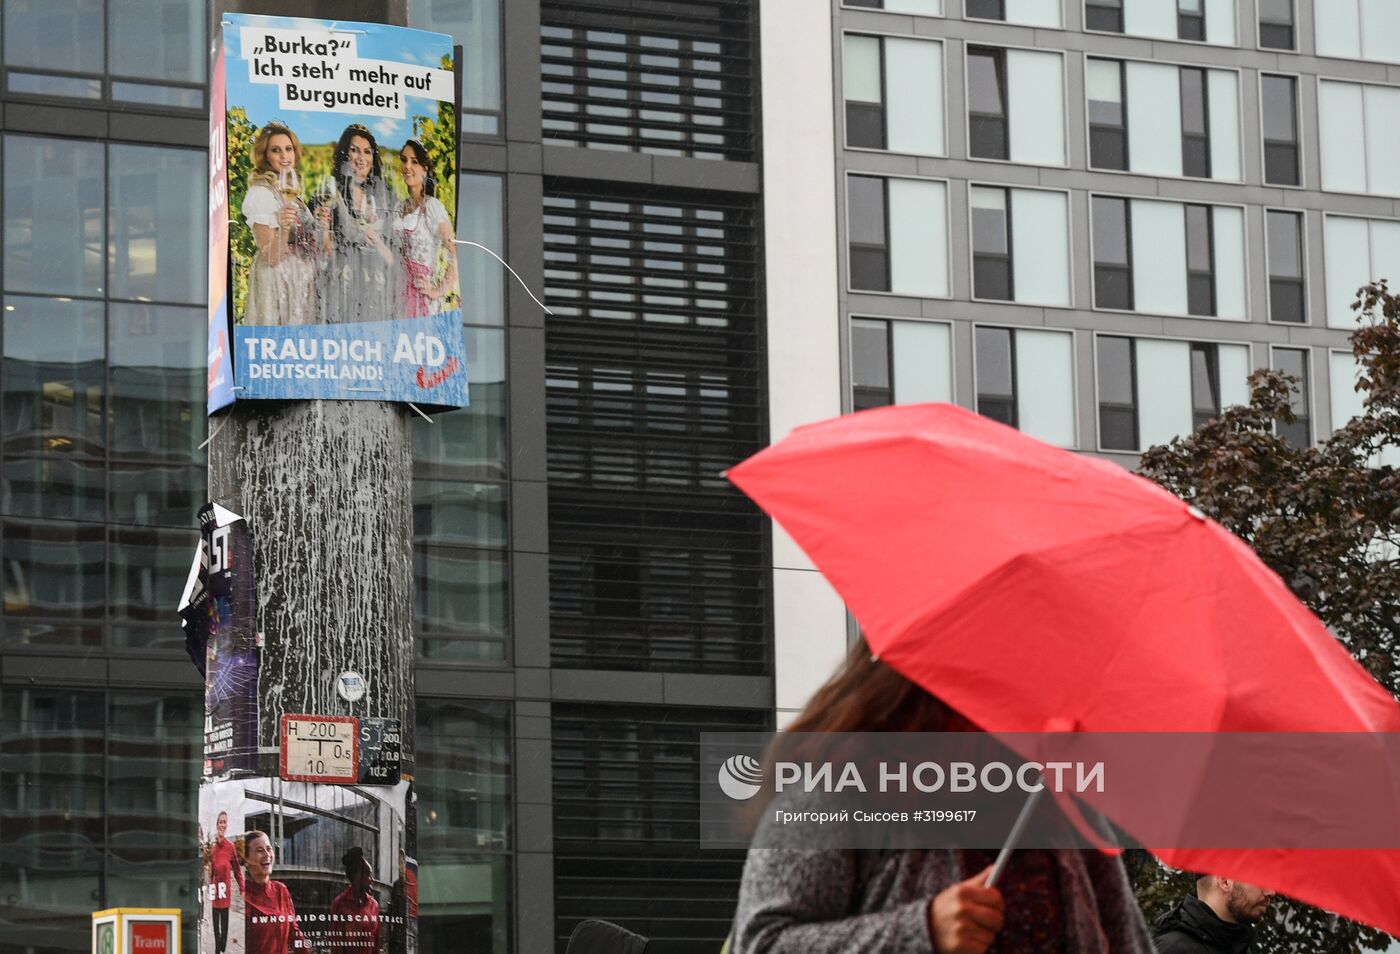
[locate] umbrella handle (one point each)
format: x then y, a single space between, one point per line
1017 829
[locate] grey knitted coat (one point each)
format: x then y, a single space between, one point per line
833 901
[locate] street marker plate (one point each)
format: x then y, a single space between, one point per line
320 749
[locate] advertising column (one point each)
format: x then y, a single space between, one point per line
334 323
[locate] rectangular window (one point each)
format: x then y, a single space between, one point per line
986 104
897 230
476 25
1359 136
1276 24
1355 252
996 379
1190 20
1287 298
1279 95
1185 121
1025 378
1357 29
55 208
1105 15
1205 384
869 234
1108 120
1195 124
1117 377
872 379
1113 269
985 9
464 828
62 49
991 245
893 88
1200 260
863 77
1294 362
900 362
1151 390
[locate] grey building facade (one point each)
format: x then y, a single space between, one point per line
589 595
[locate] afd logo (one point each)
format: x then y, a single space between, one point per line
740 777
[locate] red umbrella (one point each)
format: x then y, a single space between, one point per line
1035 589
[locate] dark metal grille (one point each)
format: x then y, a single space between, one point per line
626 824
669 77
654 360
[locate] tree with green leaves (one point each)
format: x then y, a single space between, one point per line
1327 520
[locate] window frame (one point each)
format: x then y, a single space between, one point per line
1010 189
942 13
1297 128
1203 138
1332 423
1326 281
885 92
1135 337
848 395
1210 255
884 97
1317 81
1309 381
851 244
1182 18
1003 49
1206 68
1009 257
1093 257
999 65
1098 401
1212 351
1122 4
1015 329
1259 31
1112 4
1015 388
1090 125
1303 266
970 16
1245 252
947 232
106 79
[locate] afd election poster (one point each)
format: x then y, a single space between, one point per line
337 201
295 868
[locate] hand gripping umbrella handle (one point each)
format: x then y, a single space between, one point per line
1017 829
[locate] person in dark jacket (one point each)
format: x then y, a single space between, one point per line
1220 918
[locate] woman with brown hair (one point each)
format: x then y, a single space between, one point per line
354 206
825 900
282 276
423 231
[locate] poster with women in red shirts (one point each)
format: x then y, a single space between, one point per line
308 867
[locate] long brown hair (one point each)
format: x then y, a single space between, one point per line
865 695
